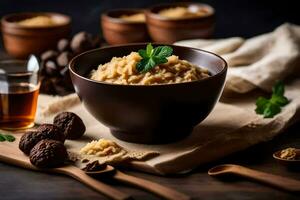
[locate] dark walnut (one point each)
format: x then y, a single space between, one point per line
50 131
28 140
48 154
71 124
45 131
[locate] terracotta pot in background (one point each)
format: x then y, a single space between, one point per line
166 30
119 31
21 41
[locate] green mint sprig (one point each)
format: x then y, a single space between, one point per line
152 57
271 107
7 137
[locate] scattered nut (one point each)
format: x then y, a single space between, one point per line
51 68
45 131
71 124
50 131
64 58
63 45
81 42
94 166
28 140
49 55
48 153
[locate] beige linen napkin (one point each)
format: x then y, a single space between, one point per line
233 125
258 61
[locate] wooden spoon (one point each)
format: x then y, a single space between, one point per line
280 182
160 190
12 155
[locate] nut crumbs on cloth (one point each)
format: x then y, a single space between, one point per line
109 152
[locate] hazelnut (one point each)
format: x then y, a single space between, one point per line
64 58
71 124
49 55
81 42
63 45
51 68
48 153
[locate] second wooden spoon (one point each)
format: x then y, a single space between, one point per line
284 183
160 190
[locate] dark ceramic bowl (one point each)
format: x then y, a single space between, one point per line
21 41
119 31
148 113
166 30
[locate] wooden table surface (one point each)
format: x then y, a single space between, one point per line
17 183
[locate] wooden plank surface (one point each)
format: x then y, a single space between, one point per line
17 183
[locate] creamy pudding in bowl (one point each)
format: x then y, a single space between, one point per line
122 70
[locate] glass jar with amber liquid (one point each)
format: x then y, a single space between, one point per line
19 89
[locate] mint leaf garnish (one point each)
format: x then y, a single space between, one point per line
152 57
271 107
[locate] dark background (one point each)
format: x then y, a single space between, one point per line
244 18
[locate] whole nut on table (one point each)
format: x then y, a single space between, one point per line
48 153
51 68
63 45
81 42
45 131
49 55
63 58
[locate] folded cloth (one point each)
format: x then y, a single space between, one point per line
259 61
233 125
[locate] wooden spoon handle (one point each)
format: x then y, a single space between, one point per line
155 188
270 179
105 189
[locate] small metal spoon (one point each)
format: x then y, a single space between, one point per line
33 64
280 182
290 164
150 186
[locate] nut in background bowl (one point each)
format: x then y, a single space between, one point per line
169 30
120 31
20 41
148 113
